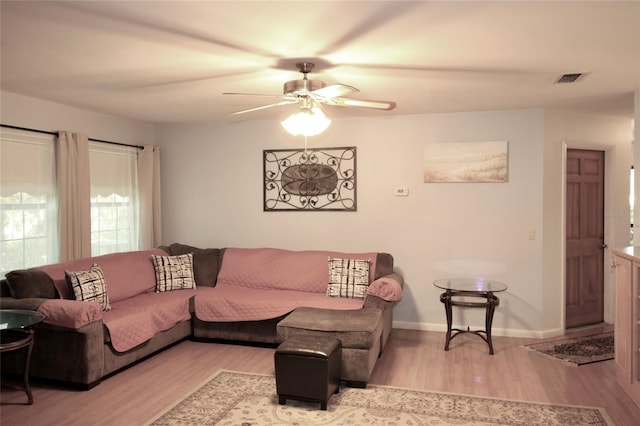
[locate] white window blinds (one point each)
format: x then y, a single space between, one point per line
28 209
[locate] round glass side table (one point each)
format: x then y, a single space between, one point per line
16 332
470 287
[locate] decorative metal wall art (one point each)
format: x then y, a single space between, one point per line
310 180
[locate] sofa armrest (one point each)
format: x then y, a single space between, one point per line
62 354
28 304
72 314
385 291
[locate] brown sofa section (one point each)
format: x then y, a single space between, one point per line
264 331
75 346
363 332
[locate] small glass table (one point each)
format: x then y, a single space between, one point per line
470 287
16 332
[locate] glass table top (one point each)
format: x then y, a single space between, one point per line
16 319
479 285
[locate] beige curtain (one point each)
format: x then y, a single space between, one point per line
74 191
149 197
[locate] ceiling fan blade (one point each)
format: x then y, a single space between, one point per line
363 103
291 101
334 90
159 83
254 94
128 17
458 73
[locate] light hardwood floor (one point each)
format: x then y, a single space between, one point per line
413 359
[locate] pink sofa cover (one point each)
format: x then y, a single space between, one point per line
230 304
264 283
270 268
137 312
134 321
245 291
127 274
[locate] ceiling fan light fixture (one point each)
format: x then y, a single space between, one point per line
307 122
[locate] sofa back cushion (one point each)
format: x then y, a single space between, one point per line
270 268
4 288
206 262
384 265
126 274
25 283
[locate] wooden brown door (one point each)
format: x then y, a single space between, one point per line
585 238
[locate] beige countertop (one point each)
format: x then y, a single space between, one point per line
631 253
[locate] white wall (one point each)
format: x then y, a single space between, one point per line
613 135
24 111
212 197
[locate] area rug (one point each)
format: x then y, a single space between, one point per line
242 399
578 350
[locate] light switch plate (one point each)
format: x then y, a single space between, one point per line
402 191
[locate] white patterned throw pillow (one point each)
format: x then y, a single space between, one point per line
173 272
89 286
348 278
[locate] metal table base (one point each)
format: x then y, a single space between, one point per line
490 305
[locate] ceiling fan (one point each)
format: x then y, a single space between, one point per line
311 93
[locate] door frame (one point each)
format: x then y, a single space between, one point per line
609 181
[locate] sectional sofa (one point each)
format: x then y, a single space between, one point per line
147 300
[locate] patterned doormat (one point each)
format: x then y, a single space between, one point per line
578 350
243 399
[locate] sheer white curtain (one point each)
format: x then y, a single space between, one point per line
73 185
149 197
109 197
114 198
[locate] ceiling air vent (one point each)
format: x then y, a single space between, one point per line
570 78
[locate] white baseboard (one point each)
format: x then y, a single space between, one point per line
495 331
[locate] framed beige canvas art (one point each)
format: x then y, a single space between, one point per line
471 162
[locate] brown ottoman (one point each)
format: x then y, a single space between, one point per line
308 369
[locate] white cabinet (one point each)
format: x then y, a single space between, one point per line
627 320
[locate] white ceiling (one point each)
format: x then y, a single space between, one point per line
170 61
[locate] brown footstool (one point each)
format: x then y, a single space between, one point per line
308 369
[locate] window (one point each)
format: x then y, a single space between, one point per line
113 198
27 200
28 210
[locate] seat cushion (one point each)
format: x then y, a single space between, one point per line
133 321
356 329
231 303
